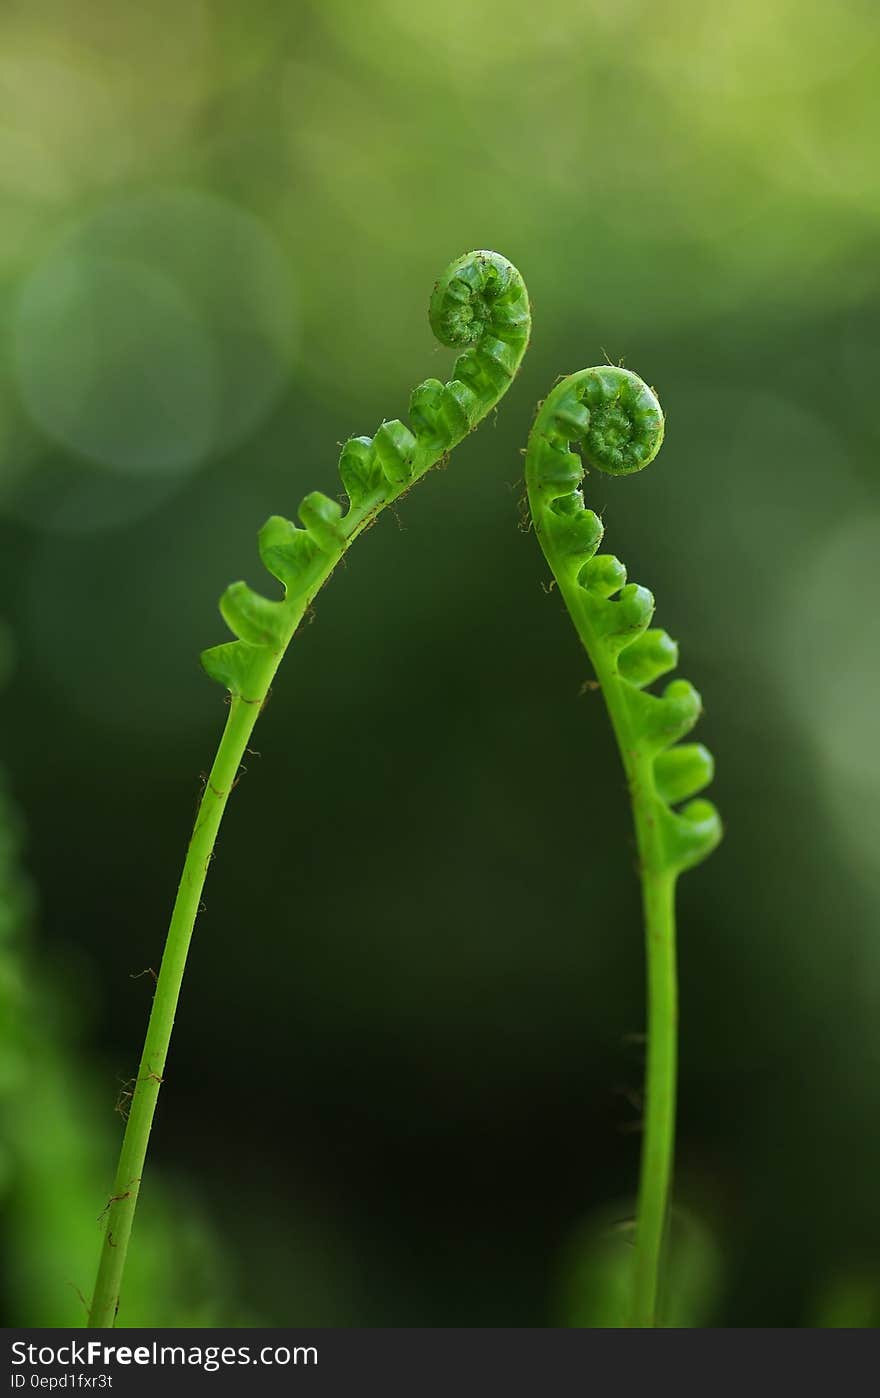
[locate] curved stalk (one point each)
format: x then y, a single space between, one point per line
480 302
126 1186
617 423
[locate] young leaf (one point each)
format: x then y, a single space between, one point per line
614 423
479 305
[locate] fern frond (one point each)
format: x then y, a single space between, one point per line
480 303
615 422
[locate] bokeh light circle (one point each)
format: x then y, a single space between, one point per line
115 362
156 332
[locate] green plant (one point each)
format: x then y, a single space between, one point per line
616 423
481 303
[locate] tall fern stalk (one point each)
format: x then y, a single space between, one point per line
616 423
480 303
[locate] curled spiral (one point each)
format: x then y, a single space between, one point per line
616 423
625 428
480 305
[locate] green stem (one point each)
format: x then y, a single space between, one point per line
658 1144
242 716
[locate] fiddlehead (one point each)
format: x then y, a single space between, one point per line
616 423
481 304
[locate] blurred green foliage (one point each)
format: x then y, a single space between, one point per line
595 1286
54 1144
213 217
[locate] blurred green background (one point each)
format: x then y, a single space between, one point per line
406 1095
